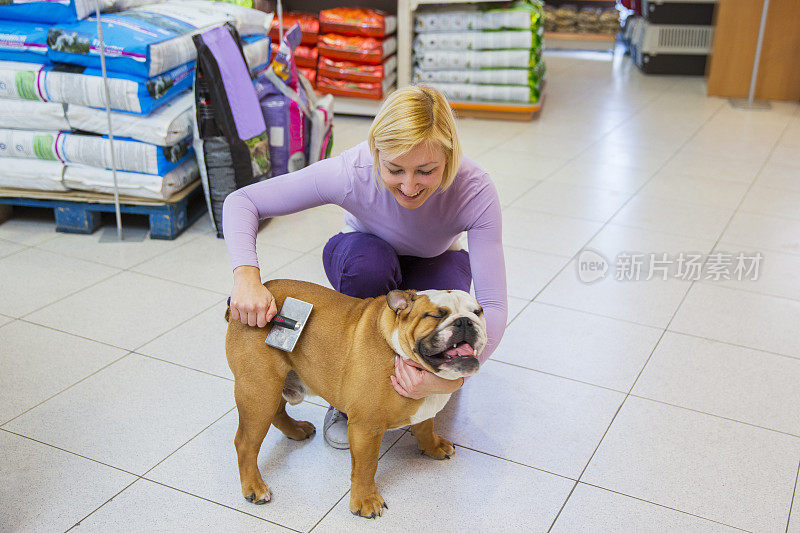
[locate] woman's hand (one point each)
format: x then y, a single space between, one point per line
413 381
251 303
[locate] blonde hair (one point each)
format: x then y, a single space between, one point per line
413 115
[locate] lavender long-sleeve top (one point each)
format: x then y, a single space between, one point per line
470 204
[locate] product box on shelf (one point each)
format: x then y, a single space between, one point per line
371 91
357 72
353 48
357 21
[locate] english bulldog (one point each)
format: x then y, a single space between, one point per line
346 355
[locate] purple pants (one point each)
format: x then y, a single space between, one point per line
364 265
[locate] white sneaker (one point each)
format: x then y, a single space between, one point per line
334 429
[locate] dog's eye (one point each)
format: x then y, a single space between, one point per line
478 311
437 317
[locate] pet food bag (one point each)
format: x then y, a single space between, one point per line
485 93
230 135
166 126
513 76
133 184
256 51
151 40
32 174
357 72
27 115
372 91
309 25
477 59
23 41
357 21
309 73
75 84
525 16
304 56
54 11
93 150
282 103
360 49
476 40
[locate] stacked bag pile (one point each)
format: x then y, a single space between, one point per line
589 19
306 53
356 52
54 126
489 56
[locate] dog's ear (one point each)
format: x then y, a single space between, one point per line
399 300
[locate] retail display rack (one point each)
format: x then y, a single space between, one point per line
580 41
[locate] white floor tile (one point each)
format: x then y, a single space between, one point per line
778 274
724 380
515 306
198 343
527 272
75 486
5 320
511 187
535 405
130 415
9 247
785 155
301 231
575 201
421 492
306 478
650 302
785 177
544 232
769 201
693 190
658 214
620 154
117 254
739 317
611 176
126 310
525 166
597 350
533 141
693 162
762 232
794 519
593 509
33 278
29 226
205 263
307 267
141 507
38 362
721 470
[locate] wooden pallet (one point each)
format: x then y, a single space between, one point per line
79 212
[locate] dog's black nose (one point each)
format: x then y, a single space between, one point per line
460 322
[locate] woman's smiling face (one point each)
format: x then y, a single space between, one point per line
414 176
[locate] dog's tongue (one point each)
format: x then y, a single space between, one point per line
461 349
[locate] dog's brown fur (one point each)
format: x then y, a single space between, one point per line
344 356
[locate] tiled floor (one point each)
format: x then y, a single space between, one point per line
650 405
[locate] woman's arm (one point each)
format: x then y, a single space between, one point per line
325 182
488 267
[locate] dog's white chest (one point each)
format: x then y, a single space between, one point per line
430 406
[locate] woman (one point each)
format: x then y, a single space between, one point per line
409 196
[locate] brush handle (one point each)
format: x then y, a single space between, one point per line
278 320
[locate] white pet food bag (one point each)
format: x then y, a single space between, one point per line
31 174
131 183
27 115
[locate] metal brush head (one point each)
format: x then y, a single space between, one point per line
284 338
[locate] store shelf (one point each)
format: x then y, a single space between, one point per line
362 107
494 110
579 41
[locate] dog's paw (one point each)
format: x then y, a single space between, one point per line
302 430
444 449
369 506
257 493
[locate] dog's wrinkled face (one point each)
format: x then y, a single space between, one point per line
444 331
